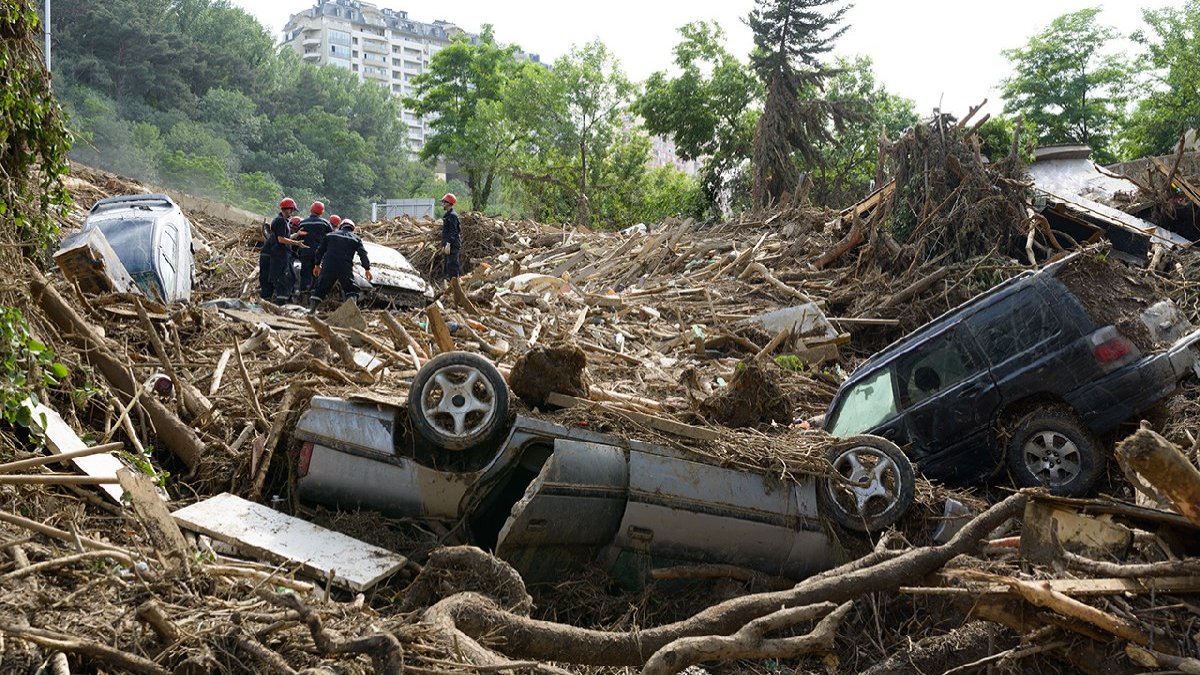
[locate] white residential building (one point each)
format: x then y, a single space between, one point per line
380 45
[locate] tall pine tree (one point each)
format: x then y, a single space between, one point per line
789 38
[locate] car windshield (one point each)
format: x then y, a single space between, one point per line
866 404
132 239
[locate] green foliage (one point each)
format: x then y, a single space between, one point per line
475 91
996 136
708 109
1172 66
33 139
789 38
194 94
1068 85
790 362
28 366
580 155
843 173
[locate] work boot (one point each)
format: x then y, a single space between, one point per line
312 305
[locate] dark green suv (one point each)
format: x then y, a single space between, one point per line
1030 374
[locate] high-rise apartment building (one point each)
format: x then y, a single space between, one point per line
380 45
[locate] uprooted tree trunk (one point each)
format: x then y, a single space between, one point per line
1166 468
476 616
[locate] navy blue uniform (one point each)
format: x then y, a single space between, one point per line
452 234
315 230
266 289
282 278
335 256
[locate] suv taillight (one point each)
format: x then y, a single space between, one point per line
1112 350
305 458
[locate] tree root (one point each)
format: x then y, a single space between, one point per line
385 650
750 642
523 637
455 569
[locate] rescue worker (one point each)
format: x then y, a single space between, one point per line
451 237
335 263
335 220
274 265
312 231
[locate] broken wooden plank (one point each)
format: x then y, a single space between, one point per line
258 531
1080 587
152 511
61 439
437 326
659 423
1049 529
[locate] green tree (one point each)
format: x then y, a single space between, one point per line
846 167
789 38
1068 86
1171 64
223 99
581 145
464 93
709 109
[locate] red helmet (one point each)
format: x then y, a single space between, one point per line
450 199
287 203
317 208
335 220
294 221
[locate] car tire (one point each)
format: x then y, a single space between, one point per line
458 400
877 484
1052 448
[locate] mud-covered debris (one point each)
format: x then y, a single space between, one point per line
544 369
754 396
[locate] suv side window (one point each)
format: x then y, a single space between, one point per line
936 366
1015 325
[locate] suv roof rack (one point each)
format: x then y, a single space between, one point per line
136 201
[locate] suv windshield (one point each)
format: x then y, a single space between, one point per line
867 404
132 239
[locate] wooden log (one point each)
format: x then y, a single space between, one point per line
56 479
765 274
852 239
192 402
340 346
153 513
916 288
219 372
285 410
251 394
10 467
659 423
55 533
1165 467
439 329
174 435
401 337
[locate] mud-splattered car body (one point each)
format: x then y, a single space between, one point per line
548 497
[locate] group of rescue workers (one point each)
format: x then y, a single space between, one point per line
326 250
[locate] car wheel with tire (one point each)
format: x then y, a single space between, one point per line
1052 448
458 400
872 487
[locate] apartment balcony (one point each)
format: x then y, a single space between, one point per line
312 57
375 76
375 47
311 41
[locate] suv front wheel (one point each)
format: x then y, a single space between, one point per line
1053 449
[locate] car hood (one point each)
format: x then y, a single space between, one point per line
390 268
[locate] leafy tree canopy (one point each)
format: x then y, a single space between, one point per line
1068 86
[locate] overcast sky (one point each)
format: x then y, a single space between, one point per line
930 51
